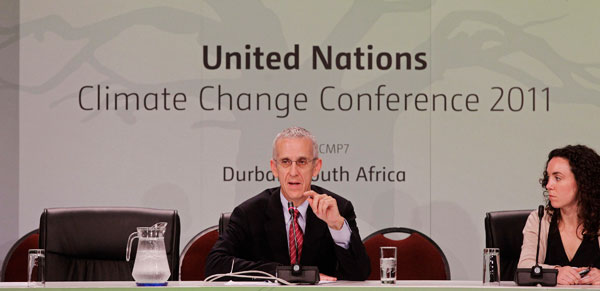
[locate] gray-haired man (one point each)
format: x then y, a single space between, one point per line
259 233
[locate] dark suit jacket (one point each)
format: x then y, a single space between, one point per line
256 238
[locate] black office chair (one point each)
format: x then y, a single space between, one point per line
504 230
88 244
223 222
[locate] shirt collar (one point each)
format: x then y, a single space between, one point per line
302 208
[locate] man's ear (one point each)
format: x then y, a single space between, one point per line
274 169
317 167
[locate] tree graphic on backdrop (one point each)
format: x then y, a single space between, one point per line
237 25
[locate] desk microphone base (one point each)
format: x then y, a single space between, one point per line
548 277
306 275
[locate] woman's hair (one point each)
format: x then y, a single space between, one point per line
585 165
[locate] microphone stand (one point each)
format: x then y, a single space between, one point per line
296 269
536 274
536 271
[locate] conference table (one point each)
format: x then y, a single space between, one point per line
256 286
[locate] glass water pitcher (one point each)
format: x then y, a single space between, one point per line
151 267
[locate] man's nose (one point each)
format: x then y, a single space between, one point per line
294 169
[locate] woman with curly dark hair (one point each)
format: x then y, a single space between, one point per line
571 223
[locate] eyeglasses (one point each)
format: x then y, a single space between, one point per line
300 163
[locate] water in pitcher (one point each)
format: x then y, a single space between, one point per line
151 267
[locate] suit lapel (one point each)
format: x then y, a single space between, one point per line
275 229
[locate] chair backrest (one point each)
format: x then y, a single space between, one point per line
14 268
193 257
88 244
223 222
504 230
418 257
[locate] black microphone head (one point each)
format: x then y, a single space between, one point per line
541 211
291 208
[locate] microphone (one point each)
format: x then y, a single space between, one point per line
536 275
296 266
536 271
297 273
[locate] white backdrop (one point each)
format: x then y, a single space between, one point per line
456 164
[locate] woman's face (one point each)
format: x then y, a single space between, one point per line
562 187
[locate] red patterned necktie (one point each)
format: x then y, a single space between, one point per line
299 237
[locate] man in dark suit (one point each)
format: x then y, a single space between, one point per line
259 235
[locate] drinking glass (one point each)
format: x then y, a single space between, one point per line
35 268
491 266
387 264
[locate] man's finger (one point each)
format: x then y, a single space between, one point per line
323 205
316 203
311 198
310 201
